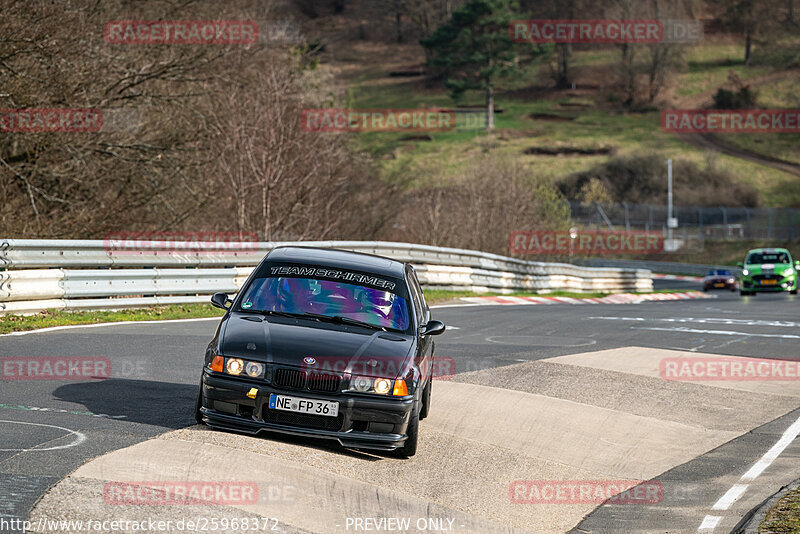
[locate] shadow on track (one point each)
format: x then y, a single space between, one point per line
161 404
170 406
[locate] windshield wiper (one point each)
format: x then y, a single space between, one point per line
270 312
343 320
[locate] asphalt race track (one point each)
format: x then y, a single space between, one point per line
540 393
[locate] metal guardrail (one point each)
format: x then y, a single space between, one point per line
699 222
664 267
80 275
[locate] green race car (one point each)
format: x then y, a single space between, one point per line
768 270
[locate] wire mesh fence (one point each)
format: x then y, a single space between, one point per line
694 222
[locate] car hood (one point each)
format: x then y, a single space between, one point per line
343 348
768 268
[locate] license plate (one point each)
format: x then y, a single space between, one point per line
300 405
769 282
719 285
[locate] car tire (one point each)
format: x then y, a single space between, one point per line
426 401
198 415
409 448
743 293
793 291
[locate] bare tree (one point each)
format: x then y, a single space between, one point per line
753 19
216 143
286 182
500 196
644 69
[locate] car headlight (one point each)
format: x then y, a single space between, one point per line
237 367
254 369
382 386
731 280
788 272
234 366
365 384
745 272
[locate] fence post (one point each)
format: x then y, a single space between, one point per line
627 218
749 230
770 224
597 216
650 216
700 232
793 217
725 221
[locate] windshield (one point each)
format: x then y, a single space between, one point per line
719 272
758 258
376 307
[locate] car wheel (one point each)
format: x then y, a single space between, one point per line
409 449
793 291
743 293
198 415
426 401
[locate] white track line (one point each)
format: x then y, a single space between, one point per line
730 497
791 433
717 332
79 437
98 325
122 323
710 522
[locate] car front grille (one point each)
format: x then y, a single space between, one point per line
324 382
302 420
289 378
307 380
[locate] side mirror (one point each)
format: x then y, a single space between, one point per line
433 328
221 300
797 263
739 264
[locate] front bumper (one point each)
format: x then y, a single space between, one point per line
785 284
719 284
363 422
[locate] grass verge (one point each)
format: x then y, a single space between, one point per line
46 319
439 296
784 517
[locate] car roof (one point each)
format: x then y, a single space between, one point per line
339 259
767 250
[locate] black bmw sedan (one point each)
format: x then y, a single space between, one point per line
323 343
